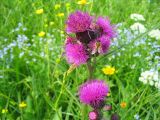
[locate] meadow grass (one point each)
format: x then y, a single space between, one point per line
34 70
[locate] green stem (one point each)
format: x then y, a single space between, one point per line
90 70
91 67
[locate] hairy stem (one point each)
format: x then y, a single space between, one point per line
91 67
90 70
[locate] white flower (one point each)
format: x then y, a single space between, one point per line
136 117
21 54
151 82
150 77
137 17
24 29
138 27
20 24
34 59
42 54
1 76
154 33
157 85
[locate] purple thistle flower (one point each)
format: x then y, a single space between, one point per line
100 45
93 115
106 27
93 93
76 53
70 40
78 22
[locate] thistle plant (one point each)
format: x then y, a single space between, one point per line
88 38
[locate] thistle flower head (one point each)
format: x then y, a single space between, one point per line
93 115
76 53
106 27
70 40
78 22
100 45
93 93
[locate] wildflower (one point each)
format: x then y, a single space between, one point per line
82 2
108 70
106 27
101 45
93 93
123 104
138 27
4 111
137 17
154 33
70 40
21 54
24 29
41 34
60 14
42 54
1 75
76 53
78 22
157 84
150 77
22 105
95 37
93 115
57 6
39 11
34 60
137 117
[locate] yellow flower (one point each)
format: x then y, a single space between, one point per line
57 6
108 70
4 111
41 34
22 105
60 14
82 2
123 104
39 11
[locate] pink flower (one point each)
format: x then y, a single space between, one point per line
93 115
106 27
100 45
76 53
78 22
70 40
93 93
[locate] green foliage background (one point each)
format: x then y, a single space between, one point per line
50 95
